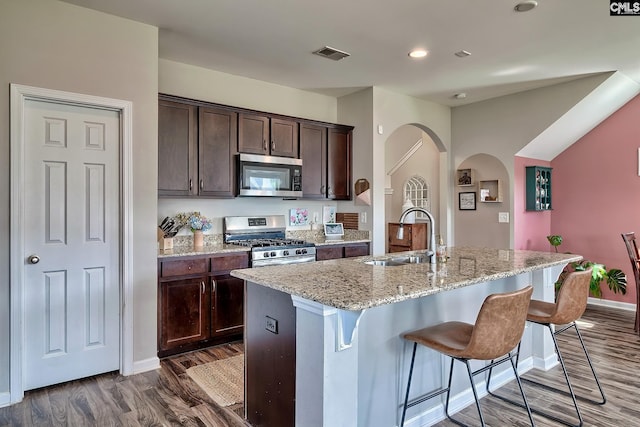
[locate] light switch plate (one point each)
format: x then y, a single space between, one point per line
503 216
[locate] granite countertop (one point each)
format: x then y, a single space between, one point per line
350 284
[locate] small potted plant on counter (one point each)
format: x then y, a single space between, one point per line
198 224
615 278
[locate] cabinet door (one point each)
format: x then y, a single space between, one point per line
406 237
177 149
253 134
313 152
356 249
284 138
183 312
329 252
339 164
227 311
217 149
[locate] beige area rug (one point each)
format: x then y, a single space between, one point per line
222 380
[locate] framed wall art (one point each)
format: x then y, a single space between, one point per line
467 201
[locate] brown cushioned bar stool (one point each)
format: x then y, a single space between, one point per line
496 333
570 304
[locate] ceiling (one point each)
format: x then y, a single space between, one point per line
273 41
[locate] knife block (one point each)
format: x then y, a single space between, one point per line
164 243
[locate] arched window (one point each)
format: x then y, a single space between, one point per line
416 189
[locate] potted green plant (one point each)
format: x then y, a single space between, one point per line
615 278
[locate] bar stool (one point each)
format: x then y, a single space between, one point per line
634 257
570 304
496 333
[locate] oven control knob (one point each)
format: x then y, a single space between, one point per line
265 255
285 253
304 251
298 252
273 254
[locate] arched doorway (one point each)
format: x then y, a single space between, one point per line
415 154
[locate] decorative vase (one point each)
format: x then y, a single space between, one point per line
198 239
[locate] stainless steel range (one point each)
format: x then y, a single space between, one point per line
266 237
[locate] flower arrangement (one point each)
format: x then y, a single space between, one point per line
195 220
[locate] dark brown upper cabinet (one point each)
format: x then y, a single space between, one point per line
313 152
338 164
216 143
196 149
326 161
265 135
177 148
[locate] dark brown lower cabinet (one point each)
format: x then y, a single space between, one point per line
346 250
184 313
227 306
199 303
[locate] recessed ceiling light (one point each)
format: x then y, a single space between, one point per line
418 53
462 53
525 6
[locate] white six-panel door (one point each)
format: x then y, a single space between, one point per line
71 218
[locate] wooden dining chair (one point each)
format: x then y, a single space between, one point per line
634 257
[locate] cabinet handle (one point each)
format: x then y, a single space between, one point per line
201 184
190 184
202 285
264 144
273 145
213 285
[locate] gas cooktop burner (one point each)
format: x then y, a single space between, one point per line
265 243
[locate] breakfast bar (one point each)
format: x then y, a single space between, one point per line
322 340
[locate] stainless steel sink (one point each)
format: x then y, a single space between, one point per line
385 262
414 259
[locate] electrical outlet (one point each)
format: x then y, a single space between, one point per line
363 217
271 325
503 216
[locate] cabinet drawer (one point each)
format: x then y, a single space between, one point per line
230 262
356 250
184 267
331 252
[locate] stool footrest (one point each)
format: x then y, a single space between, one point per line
426 397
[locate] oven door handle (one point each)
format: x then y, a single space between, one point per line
284 261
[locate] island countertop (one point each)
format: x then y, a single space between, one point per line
350 284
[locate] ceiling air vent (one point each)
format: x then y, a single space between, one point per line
331 53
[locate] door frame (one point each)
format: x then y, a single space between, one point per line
20 94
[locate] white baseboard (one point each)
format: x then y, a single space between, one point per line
612 304
5 399
145 365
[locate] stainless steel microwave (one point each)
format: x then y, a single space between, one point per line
269 176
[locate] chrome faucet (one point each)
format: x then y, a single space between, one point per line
432 244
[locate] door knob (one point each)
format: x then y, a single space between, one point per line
34 259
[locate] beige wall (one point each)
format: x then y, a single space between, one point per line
480 227
55 45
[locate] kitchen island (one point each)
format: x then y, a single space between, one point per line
326 335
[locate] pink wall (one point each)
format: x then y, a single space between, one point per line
530 228
596 193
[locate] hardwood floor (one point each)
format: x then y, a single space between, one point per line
168 397
165 397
